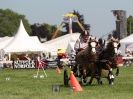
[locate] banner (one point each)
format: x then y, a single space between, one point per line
24 64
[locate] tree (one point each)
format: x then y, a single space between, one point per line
43 30
9 22
130 25
75 26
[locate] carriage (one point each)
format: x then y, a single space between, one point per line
90 63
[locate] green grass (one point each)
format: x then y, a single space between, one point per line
22 85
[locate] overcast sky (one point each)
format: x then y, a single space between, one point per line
97 13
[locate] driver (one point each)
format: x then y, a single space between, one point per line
82 42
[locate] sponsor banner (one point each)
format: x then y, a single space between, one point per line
24 64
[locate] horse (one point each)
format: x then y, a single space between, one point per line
106 59
85 61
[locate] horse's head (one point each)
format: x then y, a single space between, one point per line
92 44
101 42
114 44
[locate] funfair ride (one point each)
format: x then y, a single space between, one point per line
68 18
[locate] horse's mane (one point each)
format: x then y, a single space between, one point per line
87 54
108 52
109 46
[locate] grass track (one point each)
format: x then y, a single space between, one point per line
22 85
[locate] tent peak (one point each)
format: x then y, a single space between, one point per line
21 29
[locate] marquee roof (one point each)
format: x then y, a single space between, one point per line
22 42
61 42
128 39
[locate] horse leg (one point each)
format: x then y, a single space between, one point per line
110 75
110 79
74 69
98 71
84 80
117 71
95 73
98 77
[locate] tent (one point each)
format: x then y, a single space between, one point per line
22 42
128 39
70 48
125 42
63 42
130 47
5 41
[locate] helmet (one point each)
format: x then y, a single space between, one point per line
85 36
100 40
85 33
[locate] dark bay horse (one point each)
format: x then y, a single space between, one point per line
85 61
106 59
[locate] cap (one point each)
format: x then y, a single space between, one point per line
85 33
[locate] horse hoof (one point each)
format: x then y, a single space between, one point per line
100 82
112 83
116 74
80 82
89 83
75 74
84 81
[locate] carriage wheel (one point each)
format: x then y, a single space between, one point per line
84 81
66 79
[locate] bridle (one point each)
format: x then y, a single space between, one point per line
92 45
115 46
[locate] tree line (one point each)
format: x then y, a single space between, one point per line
9 23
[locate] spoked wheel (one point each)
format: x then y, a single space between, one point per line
84 81
66 79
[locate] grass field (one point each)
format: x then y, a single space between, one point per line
20 84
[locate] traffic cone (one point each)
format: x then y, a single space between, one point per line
58 70
74 83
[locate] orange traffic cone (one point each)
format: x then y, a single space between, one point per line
58 70
74 83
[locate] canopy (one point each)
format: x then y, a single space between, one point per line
22 42
125 42
62 42
5 41
128 39
130 47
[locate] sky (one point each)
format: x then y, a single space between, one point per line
97 13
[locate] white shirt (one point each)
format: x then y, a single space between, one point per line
80 44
